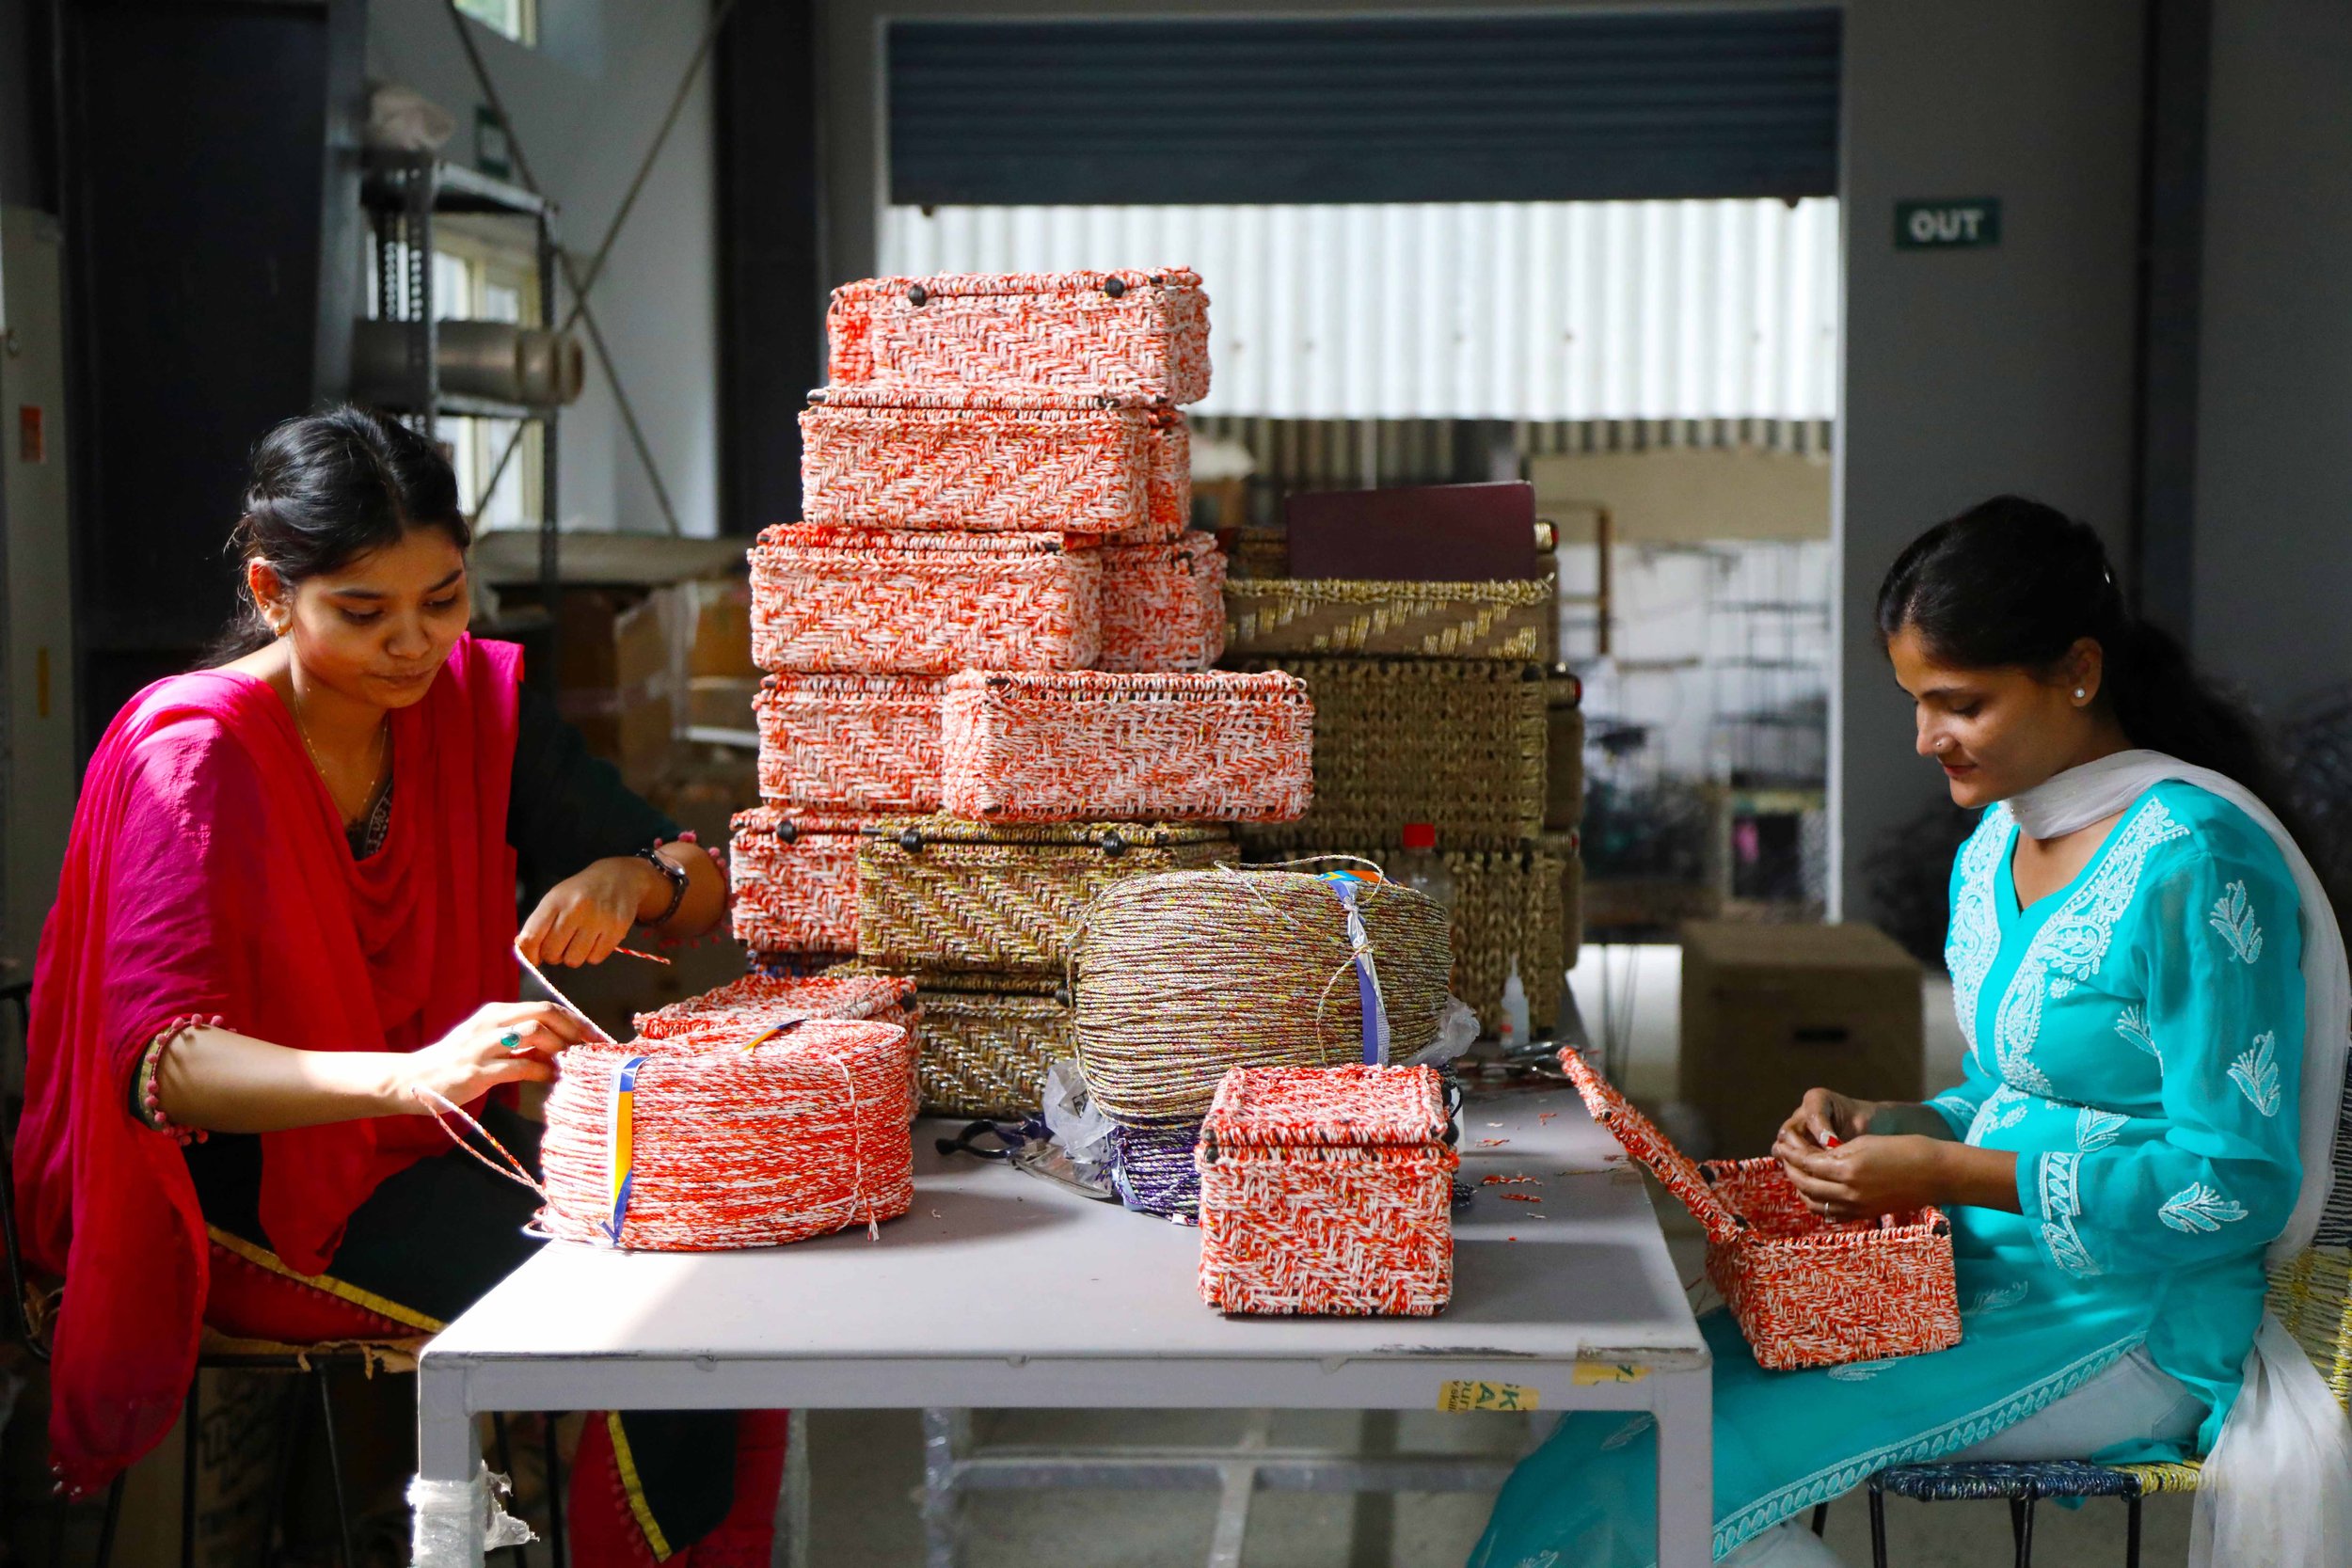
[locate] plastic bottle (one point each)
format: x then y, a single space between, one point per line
1511 1031
1421 867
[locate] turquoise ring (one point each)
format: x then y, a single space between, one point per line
513 1043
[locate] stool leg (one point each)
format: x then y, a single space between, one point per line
114 1517
1878 1529
283 1481
1820 1518
555 1492
2131 1531
335 1470
189 1423
2024 1514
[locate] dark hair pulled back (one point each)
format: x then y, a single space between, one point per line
326 489
2012 583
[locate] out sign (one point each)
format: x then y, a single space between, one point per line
1948 225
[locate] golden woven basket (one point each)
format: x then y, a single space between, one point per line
1568 850
944 893
1460 744
1426 619
1564 764
984 1041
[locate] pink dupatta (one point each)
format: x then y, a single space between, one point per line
208 877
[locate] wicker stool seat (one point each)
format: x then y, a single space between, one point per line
2051 1478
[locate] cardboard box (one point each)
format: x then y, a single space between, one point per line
1770 1011
613 677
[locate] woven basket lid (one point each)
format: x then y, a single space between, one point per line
1644 1142
788 823
913 833
1333 1107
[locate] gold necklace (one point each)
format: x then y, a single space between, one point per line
375 764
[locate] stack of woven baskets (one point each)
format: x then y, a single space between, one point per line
989 645
1438 703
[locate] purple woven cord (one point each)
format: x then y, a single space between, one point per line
794 966
1151 1168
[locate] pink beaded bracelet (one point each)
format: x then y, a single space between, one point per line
150 1066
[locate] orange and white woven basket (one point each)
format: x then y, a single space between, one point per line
1807 1292
754 1004
795 880
844 601
860 743
1162 605
1091 468
674 1146
1208 747
1327 1190
1131 333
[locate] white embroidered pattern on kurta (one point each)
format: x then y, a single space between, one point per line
2095 1129
2256 1072
2197 1207
1975 938
1858 1372
1959 1105
2061 1205
1996 1299
1628 1432
2133 1025
2233 917
2072 944
2003 1109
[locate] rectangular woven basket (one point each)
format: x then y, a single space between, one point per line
1423 619
984 1041
1162 605
1507 904
741 1010
828 600
795 880
1456 743
1086 466
1568 850
853 743
1206 746
1327 1190
1131 333
939 893
1807 1292
1564 750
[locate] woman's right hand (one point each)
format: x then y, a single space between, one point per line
473 1058
1824 1119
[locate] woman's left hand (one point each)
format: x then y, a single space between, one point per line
1866 1176
583 918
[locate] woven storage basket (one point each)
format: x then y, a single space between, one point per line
1130 333
1327 1190
1210 746
1458 744
1507 904
859 743
757 1002
941 893
1568 850
1088 467
1162 605
1179 977
795 880
1427 619
846 601
1564 750
984 1053
1256 552
1807 1292
683 1149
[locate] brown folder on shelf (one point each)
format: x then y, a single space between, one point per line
1421 533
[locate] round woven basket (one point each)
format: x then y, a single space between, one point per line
1178 976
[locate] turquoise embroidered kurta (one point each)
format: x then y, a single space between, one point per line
2135 1037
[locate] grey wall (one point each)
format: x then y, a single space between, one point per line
1972 373
2274 493
586 106
25 178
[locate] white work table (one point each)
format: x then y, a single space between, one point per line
998 1289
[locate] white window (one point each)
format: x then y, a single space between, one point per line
515 19
476 278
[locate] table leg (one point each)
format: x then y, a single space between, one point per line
1686 1467
1237 1488
946 1438
447 1448
793 1525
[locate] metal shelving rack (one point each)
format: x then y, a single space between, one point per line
402 193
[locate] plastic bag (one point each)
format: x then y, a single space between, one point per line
1083 1133
456 1522
2277 1489
1458 1030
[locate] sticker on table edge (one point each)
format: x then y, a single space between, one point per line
1464 1394
1591 1369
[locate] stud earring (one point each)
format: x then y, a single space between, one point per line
2080 695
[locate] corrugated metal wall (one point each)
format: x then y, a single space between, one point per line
1702 320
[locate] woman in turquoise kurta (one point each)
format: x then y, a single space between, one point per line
2124 1141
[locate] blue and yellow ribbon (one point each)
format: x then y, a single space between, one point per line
1345 885
621 1143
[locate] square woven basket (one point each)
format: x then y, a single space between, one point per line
1086 466
943 893
1568 850
1130 333
795 880
742 1009
1325 1190
1162 605
1206 746
853 743
848 601
1807 1292
1456 743
1564 750
1423 620
984 1040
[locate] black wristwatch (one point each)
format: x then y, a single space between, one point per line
678 884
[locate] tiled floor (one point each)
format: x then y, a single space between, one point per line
868 1466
